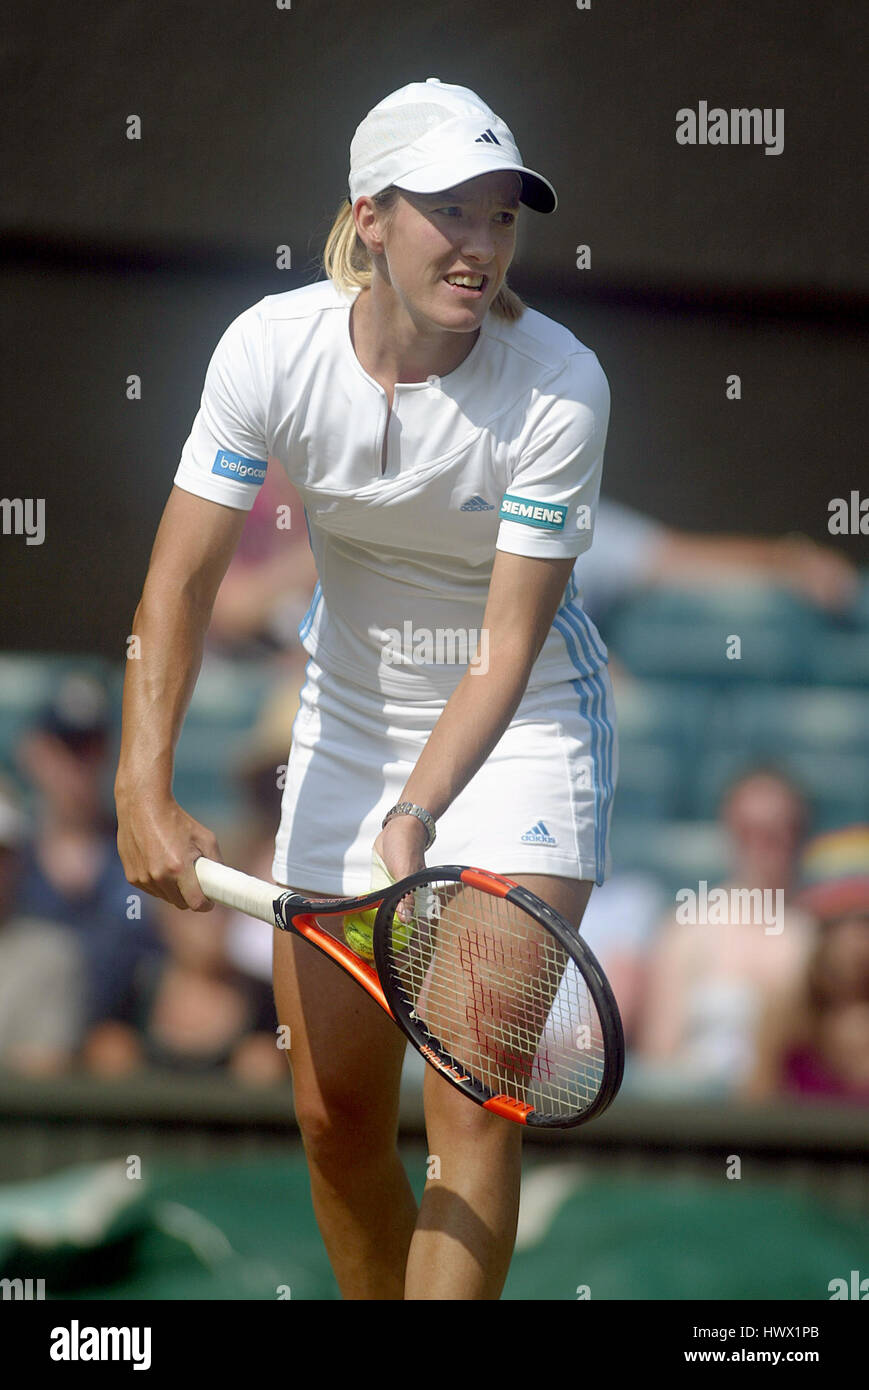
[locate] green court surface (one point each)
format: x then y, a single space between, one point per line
246 1230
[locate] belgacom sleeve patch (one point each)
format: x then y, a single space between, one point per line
243 470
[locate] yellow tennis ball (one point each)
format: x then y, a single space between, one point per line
359 933
401 933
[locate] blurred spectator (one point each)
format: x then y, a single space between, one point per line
261 771
268 585
723 954
814 1043
41 971
195 1013
620 925
71 873
632 552
209 1006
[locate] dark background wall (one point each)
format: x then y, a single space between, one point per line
131 256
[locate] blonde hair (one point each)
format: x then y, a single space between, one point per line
348 265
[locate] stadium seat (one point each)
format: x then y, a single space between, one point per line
667 713
674 633
784 718
661 730
649 783
677 853
835 782
841 657
27 681
222 713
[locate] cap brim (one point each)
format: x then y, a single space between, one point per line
537 192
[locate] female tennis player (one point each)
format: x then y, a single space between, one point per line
447 443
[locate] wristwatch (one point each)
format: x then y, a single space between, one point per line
407 808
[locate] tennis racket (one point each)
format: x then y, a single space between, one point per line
496 990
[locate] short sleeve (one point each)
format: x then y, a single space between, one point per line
226 453
549 508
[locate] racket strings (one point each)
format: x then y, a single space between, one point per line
501 996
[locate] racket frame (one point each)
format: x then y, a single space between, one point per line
293 912
401 1010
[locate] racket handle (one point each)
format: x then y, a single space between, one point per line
235 889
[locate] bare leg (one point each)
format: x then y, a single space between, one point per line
466 1229
346 1058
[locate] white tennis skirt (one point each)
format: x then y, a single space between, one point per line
540 804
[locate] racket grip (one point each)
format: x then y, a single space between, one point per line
235 889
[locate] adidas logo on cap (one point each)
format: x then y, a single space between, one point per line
487 138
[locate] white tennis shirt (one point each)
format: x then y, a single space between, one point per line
503 453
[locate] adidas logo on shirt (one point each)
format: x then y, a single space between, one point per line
487 138
476 504
538 835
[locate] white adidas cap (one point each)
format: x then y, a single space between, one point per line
431 135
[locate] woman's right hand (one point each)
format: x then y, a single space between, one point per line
158 843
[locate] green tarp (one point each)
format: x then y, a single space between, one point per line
247 1231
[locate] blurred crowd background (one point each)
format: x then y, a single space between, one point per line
164 168
746 771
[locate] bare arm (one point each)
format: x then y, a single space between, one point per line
815 572
660 1035
157 841
524 595
783 1022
